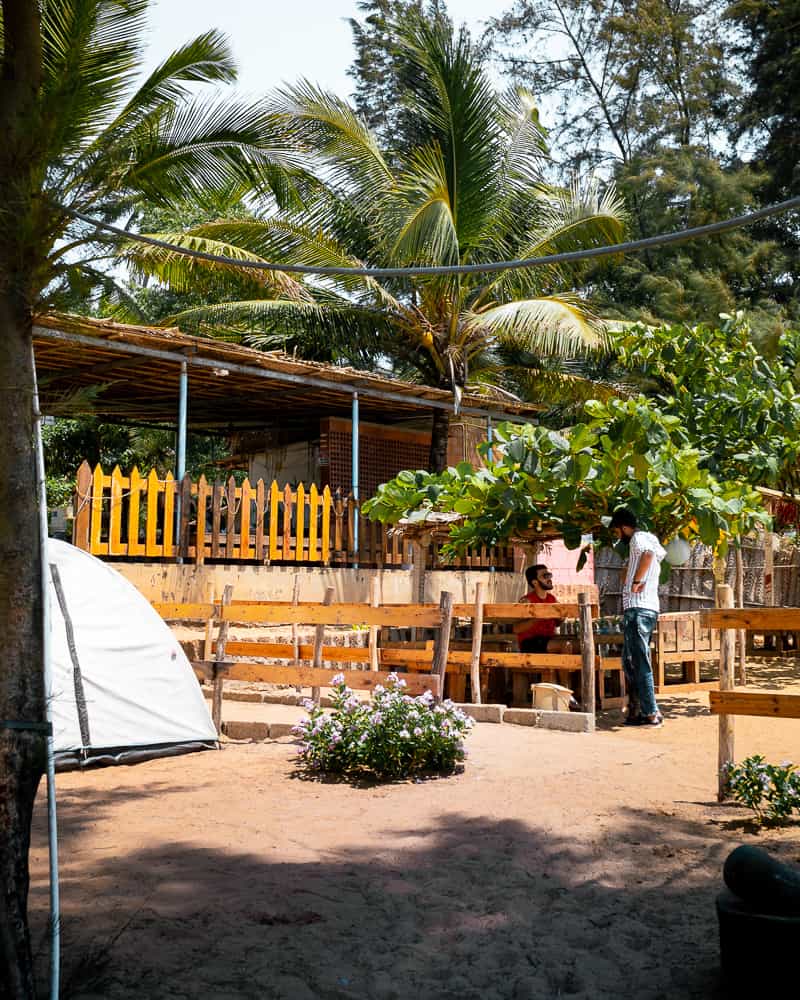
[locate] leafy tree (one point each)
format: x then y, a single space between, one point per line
626 452
738 407
471 192
79 133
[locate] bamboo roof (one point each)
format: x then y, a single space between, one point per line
133 372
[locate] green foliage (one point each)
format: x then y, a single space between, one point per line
772 791
626 453
393 736
739 408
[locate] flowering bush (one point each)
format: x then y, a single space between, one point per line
772 791
392 736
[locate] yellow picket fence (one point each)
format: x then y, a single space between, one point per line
149 517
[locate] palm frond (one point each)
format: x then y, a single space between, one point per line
555 325
419 213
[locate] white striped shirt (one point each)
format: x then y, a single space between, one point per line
641 542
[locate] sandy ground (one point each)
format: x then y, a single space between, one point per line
554 865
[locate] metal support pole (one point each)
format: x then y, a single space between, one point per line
355 476
180 449
489 429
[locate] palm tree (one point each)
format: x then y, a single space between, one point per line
470 192
78 133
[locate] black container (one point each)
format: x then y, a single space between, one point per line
758 951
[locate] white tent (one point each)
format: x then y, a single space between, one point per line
121 688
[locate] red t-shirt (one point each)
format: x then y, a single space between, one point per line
539 626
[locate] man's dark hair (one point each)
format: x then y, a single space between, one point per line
623 518
532 573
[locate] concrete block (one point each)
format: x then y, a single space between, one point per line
243 696
246 730
278 729
484 713
567 722
522 716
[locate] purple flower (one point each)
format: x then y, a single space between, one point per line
376 719
337 679
418 731
404 734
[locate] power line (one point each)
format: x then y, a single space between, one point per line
632 246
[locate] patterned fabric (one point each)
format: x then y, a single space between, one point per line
641 542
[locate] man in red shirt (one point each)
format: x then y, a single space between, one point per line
537 635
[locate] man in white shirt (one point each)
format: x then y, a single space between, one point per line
640 606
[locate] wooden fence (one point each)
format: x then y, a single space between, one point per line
147 517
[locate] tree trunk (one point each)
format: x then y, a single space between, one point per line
22 696
440 431
22 752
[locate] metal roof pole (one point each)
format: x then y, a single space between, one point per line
180 449
355 475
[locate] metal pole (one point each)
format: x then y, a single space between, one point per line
489 429
52 825
180 450
355 476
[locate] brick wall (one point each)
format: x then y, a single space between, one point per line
383 452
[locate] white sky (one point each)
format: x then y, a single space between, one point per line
280 40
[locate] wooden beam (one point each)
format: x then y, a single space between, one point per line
441 646
519 611
219 656
776 706
777 619
587 655
361 680
510 661
305 651
319 640
397 615
477 637
727 645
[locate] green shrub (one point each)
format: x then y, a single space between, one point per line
772 791
392 736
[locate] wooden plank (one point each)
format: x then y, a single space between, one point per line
398 615
260 520
202 501
361 680
230 518
168 545
286 552
520 611
300 524
274 502
96 547
779 619
477 638
726 673
305 651
246 493
587 655
319 639
115 545
151 546
510 661
83 498
325 553
216 518
778 706
185 487
208 642
135 484
313 523
171 611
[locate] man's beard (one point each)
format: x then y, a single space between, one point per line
547 586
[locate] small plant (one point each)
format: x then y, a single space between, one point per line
392 736
772 791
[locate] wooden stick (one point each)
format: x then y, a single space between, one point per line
587 654
726 665
208 644
375 602
477 638
442 645
222 638
295 634
319 640
741 673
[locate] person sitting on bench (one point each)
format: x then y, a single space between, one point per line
538 635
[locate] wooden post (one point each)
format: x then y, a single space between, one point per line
319 639
418 555
741 664
375 602
587 654
208 645
727 640
222 638
442 645
295 633
477 638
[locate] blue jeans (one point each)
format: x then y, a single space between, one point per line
637 627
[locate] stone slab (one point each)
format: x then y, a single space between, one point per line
568 722
246 730
484 713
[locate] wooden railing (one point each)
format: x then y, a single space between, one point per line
148 517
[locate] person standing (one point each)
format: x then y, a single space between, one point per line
640 607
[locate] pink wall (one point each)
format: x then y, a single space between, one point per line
562 563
